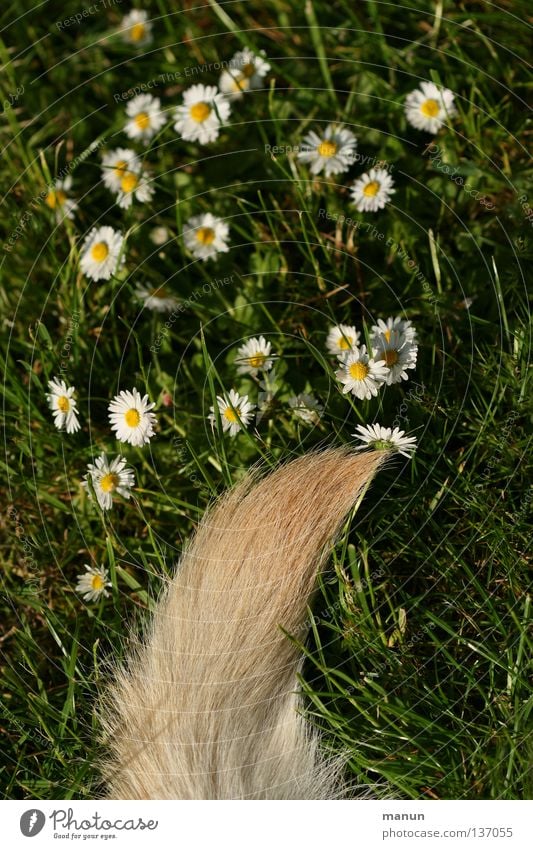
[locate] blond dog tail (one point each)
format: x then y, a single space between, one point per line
206 707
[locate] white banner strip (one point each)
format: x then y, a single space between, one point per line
267 825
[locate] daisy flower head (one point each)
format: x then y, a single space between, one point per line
130 417
361 375
115 164
385 328
57 199
92 584
306 408
63 405
145 117
134 183
385 439
235 412
156 298
331 152
342 338
159 236
246 71
254 356
200 116
205 236
429 107
136 29
372 191
101 252
397 353
109 479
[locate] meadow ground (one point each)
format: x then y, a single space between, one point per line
417 661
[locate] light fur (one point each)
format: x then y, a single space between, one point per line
207 707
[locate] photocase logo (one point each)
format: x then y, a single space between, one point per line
32 822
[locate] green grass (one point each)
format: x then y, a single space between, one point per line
419 651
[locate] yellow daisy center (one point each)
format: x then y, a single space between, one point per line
257 360
430 108
54 198
358 371
120 167
109 482
205 235
142 119
345 343
240 84
99 251
97 582
249 69
129 182
63 404
137 32
327 148
230 415
371 189
199 112
132 417
390 357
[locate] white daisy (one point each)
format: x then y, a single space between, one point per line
385 328
100 253
385 439
58 200
306 407
109 479
361 375
134 184
206 236
115 164
159 236
156 298
235 412
246 71
136 28
130 417
372 191
63 405
145 117
397 353
342 338
93 583
253 356
202 113
332 152
429 107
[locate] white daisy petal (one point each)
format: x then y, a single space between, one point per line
131 419
385 439
136 29
109 479
254 356
203 111
145 117
342 338
100 253
63 405
235 412
331 152
156 298
385 328
306 408
372 191
116 163
361 375
246 71
429 108
206 236
92 584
